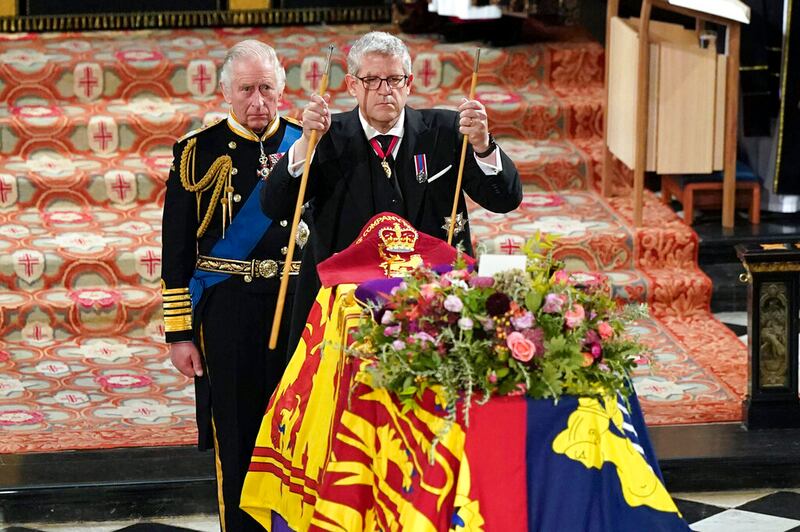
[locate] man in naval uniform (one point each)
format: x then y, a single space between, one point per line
222 262
386 156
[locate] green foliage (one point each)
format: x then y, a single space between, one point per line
543 332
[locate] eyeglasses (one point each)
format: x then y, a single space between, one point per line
373 83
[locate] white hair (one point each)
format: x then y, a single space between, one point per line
377 42
254 49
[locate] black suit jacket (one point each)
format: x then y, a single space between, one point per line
346 187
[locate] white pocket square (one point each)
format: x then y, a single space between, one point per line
438 175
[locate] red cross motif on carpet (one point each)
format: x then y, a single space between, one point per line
427 72
201 77
148 263
103 134
509 246
87 81
37 332
120 186
8 190
311 71
28 264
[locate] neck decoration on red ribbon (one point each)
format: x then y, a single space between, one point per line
376 145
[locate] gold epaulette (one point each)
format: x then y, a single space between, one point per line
293 121
201 128
177 309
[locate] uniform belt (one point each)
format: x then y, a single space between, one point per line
248 268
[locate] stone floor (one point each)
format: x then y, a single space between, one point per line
722 511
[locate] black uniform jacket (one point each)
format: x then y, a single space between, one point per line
185 211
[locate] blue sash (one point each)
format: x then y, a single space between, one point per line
246 230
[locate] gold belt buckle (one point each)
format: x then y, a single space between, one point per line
262 268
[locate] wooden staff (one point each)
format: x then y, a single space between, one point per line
463 153
287 267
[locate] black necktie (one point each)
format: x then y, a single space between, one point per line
384 141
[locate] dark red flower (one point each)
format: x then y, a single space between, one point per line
498 304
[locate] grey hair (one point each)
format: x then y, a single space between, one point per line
377 42
254 49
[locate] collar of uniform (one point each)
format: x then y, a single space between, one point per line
397 130
245 132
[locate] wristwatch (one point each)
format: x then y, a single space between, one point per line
488 151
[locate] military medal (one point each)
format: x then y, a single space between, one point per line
421 168
263 172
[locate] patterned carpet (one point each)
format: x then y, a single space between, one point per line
86 126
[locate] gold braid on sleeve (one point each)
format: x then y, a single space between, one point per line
217 175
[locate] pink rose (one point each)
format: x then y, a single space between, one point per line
605 330
575 316
521 348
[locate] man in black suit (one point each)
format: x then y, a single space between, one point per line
385 156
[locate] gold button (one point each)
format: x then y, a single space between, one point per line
232 145
284 223
284 250
234 171
237 198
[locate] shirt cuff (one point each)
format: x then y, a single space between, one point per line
491 164
296 167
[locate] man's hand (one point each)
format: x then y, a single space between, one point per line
316 117
474 124
186 358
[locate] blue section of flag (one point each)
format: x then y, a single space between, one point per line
565 495
248 227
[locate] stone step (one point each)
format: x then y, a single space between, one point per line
144 124
168 63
